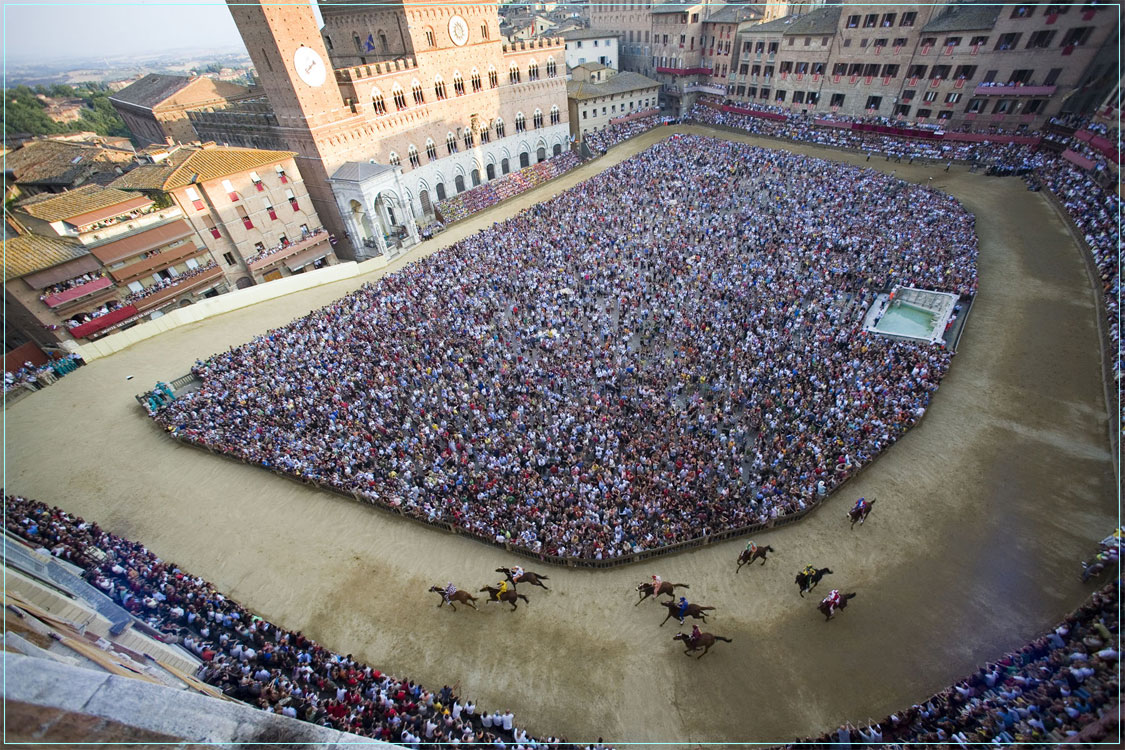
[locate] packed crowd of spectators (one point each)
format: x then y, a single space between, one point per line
85 317
603 140
999 158
670 349
255 661
284 245
1045 693
167 283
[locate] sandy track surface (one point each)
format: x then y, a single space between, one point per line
984 511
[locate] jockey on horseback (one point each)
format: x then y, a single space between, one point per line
683 609
861 506
503 588
809 571
656 582
833 600
517 573
751 548
450 590
696 634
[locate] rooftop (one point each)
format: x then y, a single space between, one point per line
735 13
84 200
53 162
577 34
29 253
358 171
674 7
618 84
151 90
965 18
212 162
592 66
819 21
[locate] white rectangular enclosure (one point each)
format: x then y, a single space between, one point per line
909 313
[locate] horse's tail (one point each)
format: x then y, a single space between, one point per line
680 586
769 548
725 640
521 596
544 578
705 609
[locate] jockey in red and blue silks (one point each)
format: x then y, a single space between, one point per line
860 505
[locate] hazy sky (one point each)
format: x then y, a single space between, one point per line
53 29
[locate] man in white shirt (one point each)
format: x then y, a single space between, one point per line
508 720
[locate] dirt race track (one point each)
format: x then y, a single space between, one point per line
984 512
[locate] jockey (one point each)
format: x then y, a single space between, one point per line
809 571
503 588
517 572
683 609
861 505
656 581
450 590
833 599
696 634
751 547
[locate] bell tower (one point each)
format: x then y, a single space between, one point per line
292 63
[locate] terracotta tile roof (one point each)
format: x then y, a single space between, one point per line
29 253
221 161
61 163
84 200
152 176
622 83
138 242
151 90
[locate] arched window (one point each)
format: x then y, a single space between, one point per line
555 115
493 77
513 73
533 71
484 31
521 122
429 37
431 149
378 103
485 134
399 96
383 42
439 87
552 69
419 97
458 84
412 154
474 78
451 143
537 119
499 127
467 137
394 160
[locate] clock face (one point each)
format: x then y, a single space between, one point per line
458 31
309 66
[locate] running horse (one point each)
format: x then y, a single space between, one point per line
809 582
464 597
748 557
666 587
510 596
826 609
696 611
705 642
855 514
534 579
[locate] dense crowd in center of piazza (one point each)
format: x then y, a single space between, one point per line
669 349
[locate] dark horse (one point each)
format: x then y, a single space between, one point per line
464 597
860 515
748 557
705 642
809 582
509 596
527 577
696 611
826 610
666 587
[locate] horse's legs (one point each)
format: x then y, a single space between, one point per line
666 618
705 650
452 607
643 597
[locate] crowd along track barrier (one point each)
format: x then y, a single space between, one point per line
561 561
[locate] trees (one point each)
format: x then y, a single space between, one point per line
28 114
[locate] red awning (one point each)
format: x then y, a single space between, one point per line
105 321
81 290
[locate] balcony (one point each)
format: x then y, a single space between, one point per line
985 89
108 320
157 262
76 293
157 299
685 71
280 253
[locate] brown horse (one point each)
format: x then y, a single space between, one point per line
464 597
855 514
508 596
705 642
696 611
534 579
666 587
826 609
748 557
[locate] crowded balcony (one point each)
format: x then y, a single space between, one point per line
1015 89
285 250
63 294
157 295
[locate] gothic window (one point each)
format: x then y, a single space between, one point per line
378 103
537 119
475 80
451 143
399 97
458 83
533 71
499 127
439 88
521 123
468 138
431 149
394 160
552 69
493 78
419 97
412 154
513 73
555 115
